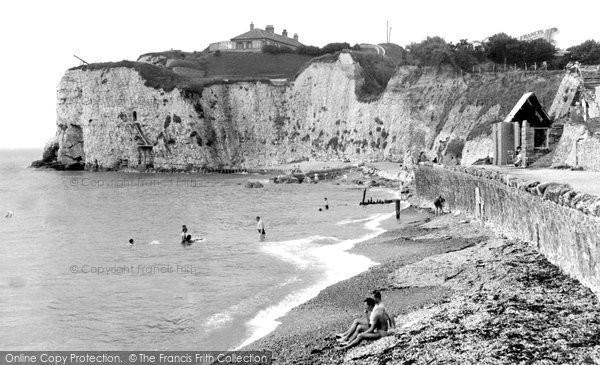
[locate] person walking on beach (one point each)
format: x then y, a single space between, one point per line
439 205
260 227
326 204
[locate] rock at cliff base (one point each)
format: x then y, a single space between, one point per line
76 166
49 155
286 179
50 151
253 184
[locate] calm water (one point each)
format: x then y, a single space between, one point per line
70 281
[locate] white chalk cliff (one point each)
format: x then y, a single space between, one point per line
109 118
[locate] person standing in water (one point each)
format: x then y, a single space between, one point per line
260 227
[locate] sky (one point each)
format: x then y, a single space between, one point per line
39 38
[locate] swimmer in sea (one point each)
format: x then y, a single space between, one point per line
184 235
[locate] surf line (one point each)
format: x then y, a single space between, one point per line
339 265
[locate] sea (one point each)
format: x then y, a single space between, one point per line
69 280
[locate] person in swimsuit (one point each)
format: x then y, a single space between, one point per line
260 227
185 238
362 324
378 327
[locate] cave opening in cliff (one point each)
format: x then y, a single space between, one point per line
145 157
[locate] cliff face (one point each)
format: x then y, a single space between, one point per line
109 118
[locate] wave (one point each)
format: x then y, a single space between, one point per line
294 251
217 320
337 263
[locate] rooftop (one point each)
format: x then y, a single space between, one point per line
257 33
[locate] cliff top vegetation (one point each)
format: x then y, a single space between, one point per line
192 71
163 78
156 77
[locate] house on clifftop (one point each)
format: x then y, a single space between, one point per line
254 39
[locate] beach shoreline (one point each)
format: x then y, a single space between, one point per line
430 268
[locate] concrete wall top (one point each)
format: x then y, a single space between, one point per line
561 194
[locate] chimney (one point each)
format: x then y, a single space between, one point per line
270 29
284 33
296 37
251 25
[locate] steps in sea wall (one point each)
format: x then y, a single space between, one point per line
563 224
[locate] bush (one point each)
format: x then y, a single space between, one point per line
335 47
433 51
269 48
329 48
309 50
376 71
154 76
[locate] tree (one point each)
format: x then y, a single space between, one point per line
538 50
586 52
466 55
502 48
433 51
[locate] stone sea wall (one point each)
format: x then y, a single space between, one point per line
109 118
562 224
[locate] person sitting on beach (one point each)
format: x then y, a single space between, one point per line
131 242
439 205
379 306
377 329
359 322
359 325
519 158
